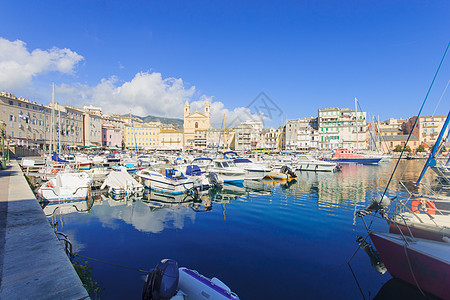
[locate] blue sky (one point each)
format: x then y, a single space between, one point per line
148 57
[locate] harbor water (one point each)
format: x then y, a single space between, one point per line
265 240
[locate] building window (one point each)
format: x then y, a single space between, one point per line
11 102
196 124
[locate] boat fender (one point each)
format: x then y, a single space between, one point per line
219 283
162 282
53 171
431 207
49 184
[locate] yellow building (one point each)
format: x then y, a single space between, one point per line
171 139
194 122
143 135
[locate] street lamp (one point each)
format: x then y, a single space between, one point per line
3 132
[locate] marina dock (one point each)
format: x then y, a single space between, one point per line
33 263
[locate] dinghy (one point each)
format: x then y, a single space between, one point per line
167 281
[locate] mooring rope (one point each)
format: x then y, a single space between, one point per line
110 263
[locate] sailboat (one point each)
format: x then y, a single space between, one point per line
421 262
426 216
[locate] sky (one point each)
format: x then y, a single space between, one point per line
269 60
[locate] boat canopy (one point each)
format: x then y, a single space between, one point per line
193 170
202 158
242 160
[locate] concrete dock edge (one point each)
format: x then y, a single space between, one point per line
33 264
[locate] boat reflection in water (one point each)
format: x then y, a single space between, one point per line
66 207
394 287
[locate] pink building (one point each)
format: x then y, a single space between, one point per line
111 135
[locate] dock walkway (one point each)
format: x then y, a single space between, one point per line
33 264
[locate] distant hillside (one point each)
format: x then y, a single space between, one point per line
177 122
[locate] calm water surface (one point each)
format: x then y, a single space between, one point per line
265 240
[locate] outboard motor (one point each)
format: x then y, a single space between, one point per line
287 170
162 282
214 179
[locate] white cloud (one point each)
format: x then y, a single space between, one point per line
18 66
150 94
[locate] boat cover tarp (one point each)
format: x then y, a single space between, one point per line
120 181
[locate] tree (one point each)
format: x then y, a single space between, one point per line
421 148
398 148
408 149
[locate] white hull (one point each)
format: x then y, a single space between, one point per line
158 182
66 187
230 176
316 167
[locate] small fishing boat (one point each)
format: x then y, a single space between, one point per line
284 174
65 187
168 180
167 281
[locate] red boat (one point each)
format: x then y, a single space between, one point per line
422 263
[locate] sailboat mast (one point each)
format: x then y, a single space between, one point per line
223 126
52 119
356 124
59 131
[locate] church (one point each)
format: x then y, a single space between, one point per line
194 122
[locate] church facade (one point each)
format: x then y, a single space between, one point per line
195 122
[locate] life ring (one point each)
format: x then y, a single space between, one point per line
430 209
49 184
53 171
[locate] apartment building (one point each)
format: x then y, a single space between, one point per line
429 128
342 128
30 124
302 134
171 138
143 136
247 135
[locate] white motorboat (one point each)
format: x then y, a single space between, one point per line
226 169
122 183
168 181
253 171
167 281
308 163
66 187
204 163
207 179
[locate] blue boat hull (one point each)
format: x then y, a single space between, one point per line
356 160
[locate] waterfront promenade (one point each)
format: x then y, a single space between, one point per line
33 264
